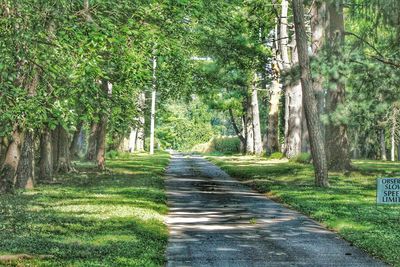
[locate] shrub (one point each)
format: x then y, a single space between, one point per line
303 158
276 155
202 148
224 145
112 154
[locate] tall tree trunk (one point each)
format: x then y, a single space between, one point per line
393 135
272 143
355 150
26 167
74 148
243 145
310 102
294 134
336 133
255 112
293 94
132 140
383 144
54 145
10 164
294 110
63 163
25 178
319 24
102 130
273 118
46 156
153 106
283 35
305 137
249 128
92 142
140 128
3 149
236 128
284 51
101 143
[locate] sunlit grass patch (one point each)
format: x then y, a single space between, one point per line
347 207
91 219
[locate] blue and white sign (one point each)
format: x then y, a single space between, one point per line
388 191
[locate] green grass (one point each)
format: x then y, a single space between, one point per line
91 219
347 207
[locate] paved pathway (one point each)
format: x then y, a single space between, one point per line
216 221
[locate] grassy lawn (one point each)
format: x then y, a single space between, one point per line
91 219
347 207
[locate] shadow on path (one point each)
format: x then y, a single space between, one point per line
216 221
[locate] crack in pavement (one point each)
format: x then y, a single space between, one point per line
215 220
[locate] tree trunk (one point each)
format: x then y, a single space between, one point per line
310 102
236 128
140 128
336 133
3 149
74 148
305 137
249 128
46 157
319 25
101 143
258 148
63 164
132 140
393 136
294 137
26 168
355 150
283 35
153 106
243 145
102 131
383 144
273 118
294 112
293 94
10 164
92 142
54 145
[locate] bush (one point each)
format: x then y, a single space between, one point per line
224 145
276 155
303 158
112 154
202 148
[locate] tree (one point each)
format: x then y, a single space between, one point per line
338 154
153 105
310 102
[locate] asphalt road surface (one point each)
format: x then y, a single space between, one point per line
215 220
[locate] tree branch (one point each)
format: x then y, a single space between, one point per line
238 132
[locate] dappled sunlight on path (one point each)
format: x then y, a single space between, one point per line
217 221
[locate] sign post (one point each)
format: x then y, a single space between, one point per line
388 191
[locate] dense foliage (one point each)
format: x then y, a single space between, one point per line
87 71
